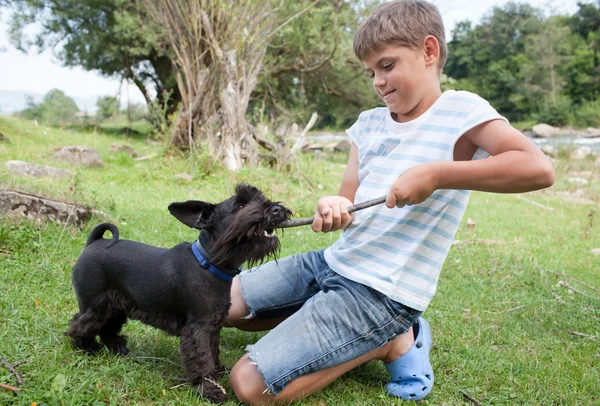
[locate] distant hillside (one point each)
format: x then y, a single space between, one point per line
12 101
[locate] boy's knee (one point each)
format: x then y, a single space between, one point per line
238 310
247 383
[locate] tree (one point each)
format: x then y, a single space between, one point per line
108 106
110 36
56 108
218 49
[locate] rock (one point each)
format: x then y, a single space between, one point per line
544 131
3 138
37 171
595 251
580 153
549 150
578 181
15 204
591 132
123 148
80 156
184 176
582 174
342 146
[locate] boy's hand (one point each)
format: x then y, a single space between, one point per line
412 187
332 214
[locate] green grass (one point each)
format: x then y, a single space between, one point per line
500 319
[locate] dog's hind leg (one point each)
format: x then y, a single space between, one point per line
83 329
199 361
109 335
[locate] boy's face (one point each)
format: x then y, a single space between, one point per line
402 78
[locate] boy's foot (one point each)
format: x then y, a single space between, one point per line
412 375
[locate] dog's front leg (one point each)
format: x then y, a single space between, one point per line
199 362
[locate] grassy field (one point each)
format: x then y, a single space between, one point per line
506 330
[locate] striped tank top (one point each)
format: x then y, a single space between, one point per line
400 251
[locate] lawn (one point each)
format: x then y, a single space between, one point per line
506 329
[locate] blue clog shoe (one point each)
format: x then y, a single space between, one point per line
412 374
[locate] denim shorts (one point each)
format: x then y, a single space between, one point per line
332 319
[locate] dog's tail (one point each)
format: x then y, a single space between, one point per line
99 230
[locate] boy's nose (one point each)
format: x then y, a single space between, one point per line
378 81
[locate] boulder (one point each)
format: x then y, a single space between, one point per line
123 148
544 131
580 153
80 156
16 204
549 150
23 168
342 146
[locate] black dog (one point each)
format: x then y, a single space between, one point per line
184 290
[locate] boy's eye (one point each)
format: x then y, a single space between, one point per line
388 66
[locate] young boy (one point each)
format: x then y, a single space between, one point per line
359 299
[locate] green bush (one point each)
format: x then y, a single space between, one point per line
586 115
556 112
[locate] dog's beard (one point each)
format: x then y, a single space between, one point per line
249 237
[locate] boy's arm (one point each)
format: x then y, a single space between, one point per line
332 211
517 165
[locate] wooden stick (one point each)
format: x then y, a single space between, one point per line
577 333
308 220
472 399
12 369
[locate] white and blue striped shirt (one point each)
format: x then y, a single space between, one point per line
400 251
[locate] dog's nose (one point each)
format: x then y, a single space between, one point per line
277 210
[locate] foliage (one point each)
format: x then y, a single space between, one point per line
529 65
56 108
108 106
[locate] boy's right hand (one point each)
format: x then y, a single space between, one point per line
332 214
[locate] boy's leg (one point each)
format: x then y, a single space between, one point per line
250 388
344 325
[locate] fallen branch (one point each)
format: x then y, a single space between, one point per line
472 399
11 388
577 333
565 283
575 280
12 369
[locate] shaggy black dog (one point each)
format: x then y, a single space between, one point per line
185 290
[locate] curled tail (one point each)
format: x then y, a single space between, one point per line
99 230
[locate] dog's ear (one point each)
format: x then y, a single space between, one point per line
193 213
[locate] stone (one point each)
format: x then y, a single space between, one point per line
23 168
595 251
78 155
580 153
549 150
16 205
578 181
123 148
592 132
3 138
342 146
544 131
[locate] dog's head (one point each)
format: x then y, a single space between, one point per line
237 230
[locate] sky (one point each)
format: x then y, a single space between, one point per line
39 73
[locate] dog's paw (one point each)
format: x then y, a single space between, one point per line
212 390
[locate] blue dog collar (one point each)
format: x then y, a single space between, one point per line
204 263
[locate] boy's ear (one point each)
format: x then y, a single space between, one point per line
193 213
431 48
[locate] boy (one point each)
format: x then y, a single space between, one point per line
357 300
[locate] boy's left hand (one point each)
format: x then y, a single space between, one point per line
414 186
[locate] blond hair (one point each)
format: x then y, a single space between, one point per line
401 23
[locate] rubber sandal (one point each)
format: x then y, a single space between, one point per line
412 375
